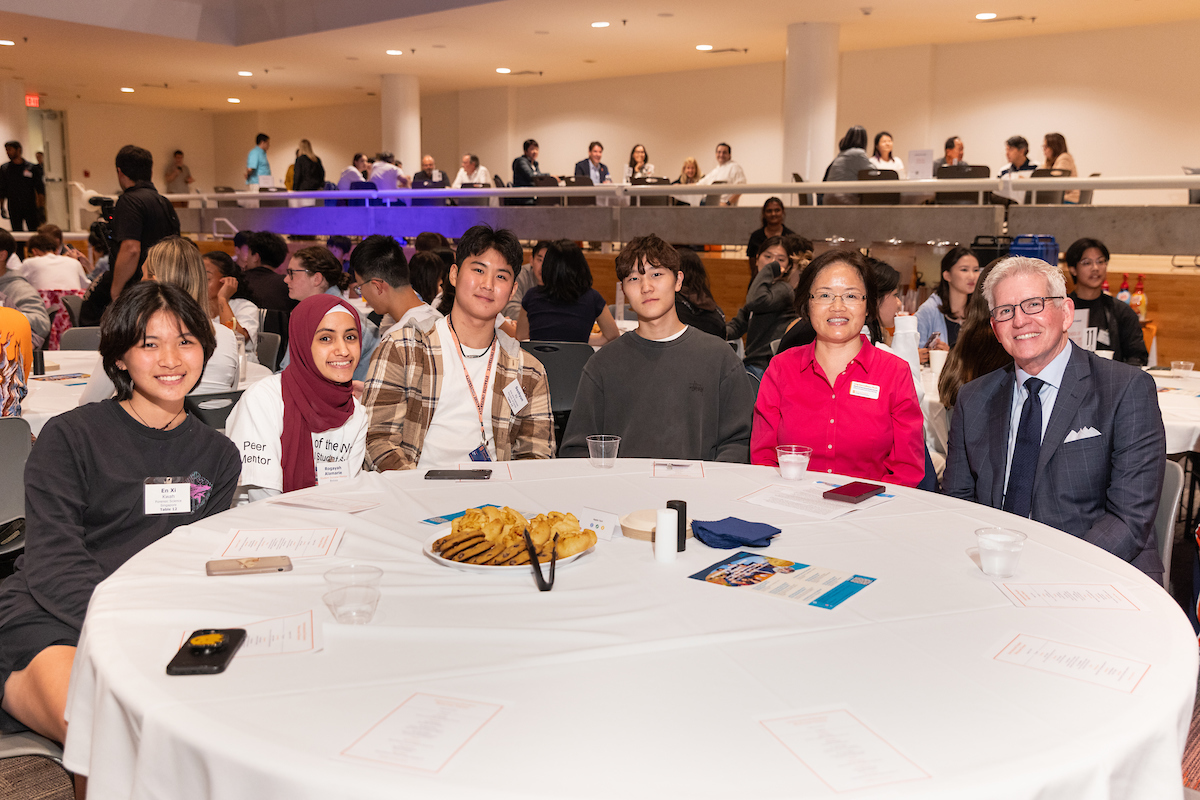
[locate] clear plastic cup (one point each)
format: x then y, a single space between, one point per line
354 575
603 450
352 605
793 460
999 551
1182 369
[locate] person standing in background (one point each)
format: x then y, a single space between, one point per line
257 164
1054 147
309 172
22 192
179 179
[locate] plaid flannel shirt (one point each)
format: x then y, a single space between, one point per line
404 385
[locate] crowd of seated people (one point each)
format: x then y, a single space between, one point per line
445 382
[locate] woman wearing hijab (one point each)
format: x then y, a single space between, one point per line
304 427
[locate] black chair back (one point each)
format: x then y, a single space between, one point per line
546 180
212 409
652 180
960 172
429 185
362 186
474 201
1053 198
881 199
801 199
564 363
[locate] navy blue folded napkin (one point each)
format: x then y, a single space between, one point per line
731 532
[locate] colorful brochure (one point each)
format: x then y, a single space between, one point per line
790 580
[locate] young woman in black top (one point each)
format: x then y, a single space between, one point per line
90 500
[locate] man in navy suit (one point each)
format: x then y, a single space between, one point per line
1063 436
591 167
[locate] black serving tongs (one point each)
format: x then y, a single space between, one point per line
542 584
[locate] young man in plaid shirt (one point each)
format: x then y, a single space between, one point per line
445 391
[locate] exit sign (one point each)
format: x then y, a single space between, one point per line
32 101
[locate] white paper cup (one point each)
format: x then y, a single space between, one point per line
353 575
999 551
793 460
352 605
937 360
603 450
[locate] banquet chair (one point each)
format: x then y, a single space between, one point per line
429 185
31 768
212 409
548 181
15 443
1053 198
1164 520
474 201
960 171
1085 195
880 199
801 199
80 339
564 363
713 199
74 304
268 350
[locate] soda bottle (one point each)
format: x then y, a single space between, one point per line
1137 300
1123 292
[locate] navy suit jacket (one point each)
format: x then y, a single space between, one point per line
1104 489
584 168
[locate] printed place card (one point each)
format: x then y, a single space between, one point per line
1102 669
423 733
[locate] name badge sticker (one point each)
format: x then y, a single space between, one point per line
867 390
332 472
515 396
167 496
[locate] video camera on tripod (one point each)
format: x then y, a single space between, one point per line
103 226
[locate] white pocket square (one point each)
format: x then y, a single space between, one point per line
1082 433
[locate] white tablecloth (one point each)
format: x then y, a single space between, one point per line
1180 410
629 679
48 399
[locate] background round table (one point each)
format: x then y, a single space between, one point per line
629 679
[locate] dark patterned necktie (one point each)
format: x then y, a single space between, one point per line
1018 499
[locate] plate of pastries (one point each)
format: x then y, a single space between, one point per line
491 539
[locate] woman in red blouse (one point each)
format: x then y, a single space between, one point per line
853 404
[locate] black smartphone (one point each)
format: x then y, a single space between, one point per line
458 475
207 652
854 492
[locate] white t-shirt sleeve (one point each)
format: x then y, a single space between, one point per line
221 372
254 426
246 313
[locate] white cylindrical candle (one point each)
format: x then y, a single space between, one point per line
665 538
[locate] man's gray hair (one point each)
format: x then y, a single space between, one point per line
1023 265
474 158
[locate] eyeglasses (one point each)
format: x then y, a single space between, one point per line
1099 262
292 272
1030 306
849 298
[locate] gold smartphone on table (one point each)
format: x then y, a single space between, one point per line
249 566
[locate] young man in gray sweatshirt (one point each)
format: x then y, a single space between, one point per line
667 389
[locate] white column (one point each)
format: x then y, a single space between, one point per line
400 108
14 119
810 86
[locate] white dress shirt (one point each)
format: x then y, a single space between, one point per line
1052 377
480 175
729 172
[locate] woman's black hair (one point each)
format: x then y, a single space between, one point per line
852 258
886 280
766 203
632 163
855 137
879 136
96 237
319 260
1075 252
424 272
565 272
948 261
695 287
230 269
123 326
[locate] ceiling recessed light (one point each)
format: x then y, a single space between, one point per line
245 73
126 90
394 52
438 46
7 42
704 47
666 14
233 100
985 16
503 70
599 24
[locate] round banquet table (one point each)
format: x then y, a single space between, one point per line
49 398
629 679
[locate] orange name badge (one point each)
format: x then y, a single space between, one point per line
867 390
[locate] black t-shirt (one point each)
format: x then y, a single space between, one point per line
1098 319
709 321
551 321
268 288
84 502
20 184
142 214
